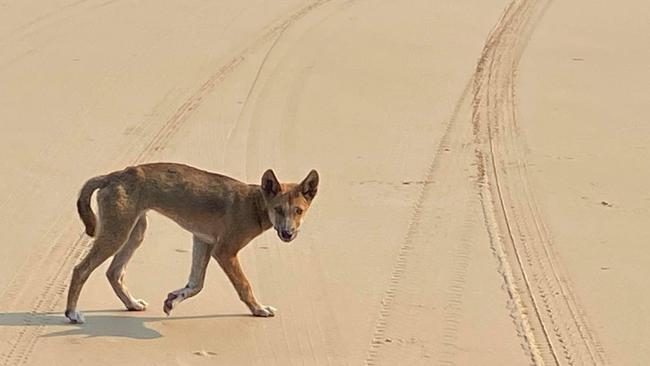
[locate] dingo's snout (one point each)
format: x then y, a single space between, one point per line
287 235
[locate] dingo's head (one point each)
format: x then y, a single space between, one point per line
287 203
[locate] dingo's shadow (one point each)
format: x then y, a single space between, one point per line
99 323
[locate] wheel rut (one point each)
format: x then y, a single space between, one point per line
547 312
548 318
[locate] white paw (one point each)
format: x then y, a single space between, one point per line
75 316
138 305
265 311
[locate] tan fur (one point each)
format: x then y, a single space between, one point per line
223 214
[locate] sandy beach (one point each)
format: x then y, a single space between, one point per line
484 174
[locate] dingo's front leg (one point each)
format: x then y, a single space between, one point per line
230 265
200 258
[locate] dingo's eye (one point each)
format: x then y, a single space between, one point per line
278 210
298 211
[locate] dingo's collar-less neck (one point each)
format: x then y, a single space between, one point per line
260 210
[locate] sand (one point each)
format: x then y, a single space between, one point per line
482 169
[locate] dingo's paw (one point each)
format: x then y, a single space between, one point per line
169 303
265 311
138 305
75 316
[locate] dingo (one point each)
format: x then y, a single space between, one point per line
222 213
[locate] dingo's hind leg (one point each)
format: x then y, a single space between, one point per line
117 269
103 247
117 216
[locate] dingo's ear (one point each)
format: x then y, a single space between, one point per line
309 186
270 184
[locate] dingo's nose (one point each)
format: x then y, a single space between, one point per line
286 235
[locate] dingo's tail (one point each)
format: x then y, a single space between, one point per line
83 203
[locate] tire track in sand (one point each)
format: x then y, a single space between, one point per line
554 326
56 265
405 251
401 265
544 308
